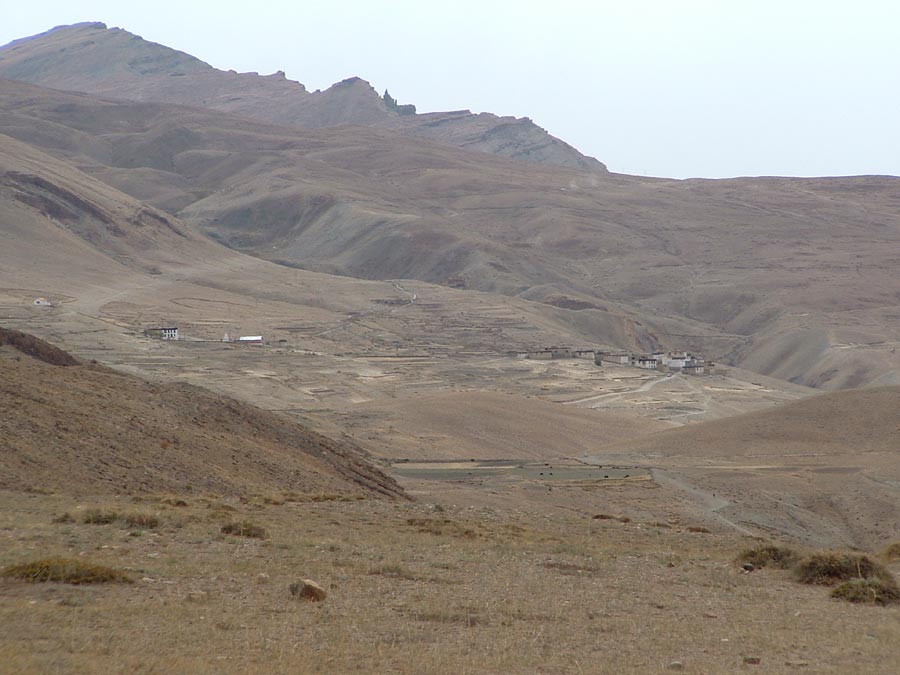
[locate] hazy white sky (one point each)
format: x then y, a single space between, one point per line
675 88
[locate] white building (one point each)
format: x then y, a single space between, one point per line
165 333
250 339
678 360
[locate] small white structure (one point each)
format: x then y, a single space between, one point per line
42 302
250 339
646 362
678 360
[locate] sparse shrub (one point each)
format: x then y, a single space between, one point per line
244 529
142 520
874 591
892 552
828 569
97 517
172 501
64 570
770 556
441 526
699 529
64 518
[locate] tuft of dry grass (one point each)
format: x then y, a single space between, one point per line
461 617
98 517
244 528
699 529
175 501
442 526
828 569
770 556
892 552
869 591
64 570
142 520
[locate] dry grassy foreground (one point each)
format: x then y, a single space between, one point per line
411 589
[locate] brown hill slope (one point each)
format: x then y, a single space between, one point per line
789 277
497 426
848 422
113 62
823 470
84 428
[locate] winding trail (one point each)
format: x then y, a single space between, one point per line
613 396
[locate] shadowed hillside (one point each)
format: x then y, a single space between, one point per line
113 62
84 428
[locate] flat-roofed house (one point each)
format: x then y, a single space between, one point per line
163 333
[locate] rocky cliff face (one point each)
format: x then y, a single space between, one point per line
92 58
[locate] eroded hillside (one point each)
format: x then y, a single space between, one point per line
113 62
788 277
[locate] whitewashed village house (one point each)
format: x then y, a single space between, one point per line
163 333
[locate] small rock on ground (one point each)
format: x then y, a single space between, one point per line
309 590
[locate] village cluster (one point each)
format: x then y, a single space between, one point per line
682 362
674 361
